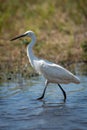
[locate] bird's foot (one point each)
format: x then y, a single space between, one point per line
40 98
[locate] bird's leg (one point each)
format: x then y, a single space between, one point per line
46 83
64 93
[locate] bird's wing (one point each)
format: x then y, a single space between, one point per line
56 72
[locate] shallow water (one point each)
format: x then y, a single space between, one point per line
19 109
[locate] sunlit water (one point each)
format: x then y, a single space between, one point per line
19 109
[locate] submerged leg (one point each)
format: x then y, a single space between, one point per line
42 96
64 93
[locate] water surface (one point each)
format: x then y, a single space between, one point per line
19 109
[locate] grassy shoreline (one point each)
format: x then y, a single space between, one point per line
60 27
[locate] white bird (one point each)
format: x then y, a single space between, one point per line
52 72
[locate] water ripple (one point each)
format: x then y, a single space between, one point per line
19 109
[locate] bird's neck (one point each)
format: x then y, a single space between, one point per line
30 53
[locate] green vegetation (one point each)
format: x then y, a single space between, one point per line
84 48
60 26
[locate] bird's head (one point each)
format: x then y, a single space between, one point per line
28 33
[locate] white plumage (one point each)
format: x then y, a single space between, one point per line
52 72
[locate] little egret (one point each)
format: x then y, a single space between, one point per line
52 72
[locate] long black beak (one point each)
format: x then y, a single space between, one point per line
23 35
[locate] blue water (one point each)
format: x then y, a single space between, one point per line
19 109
